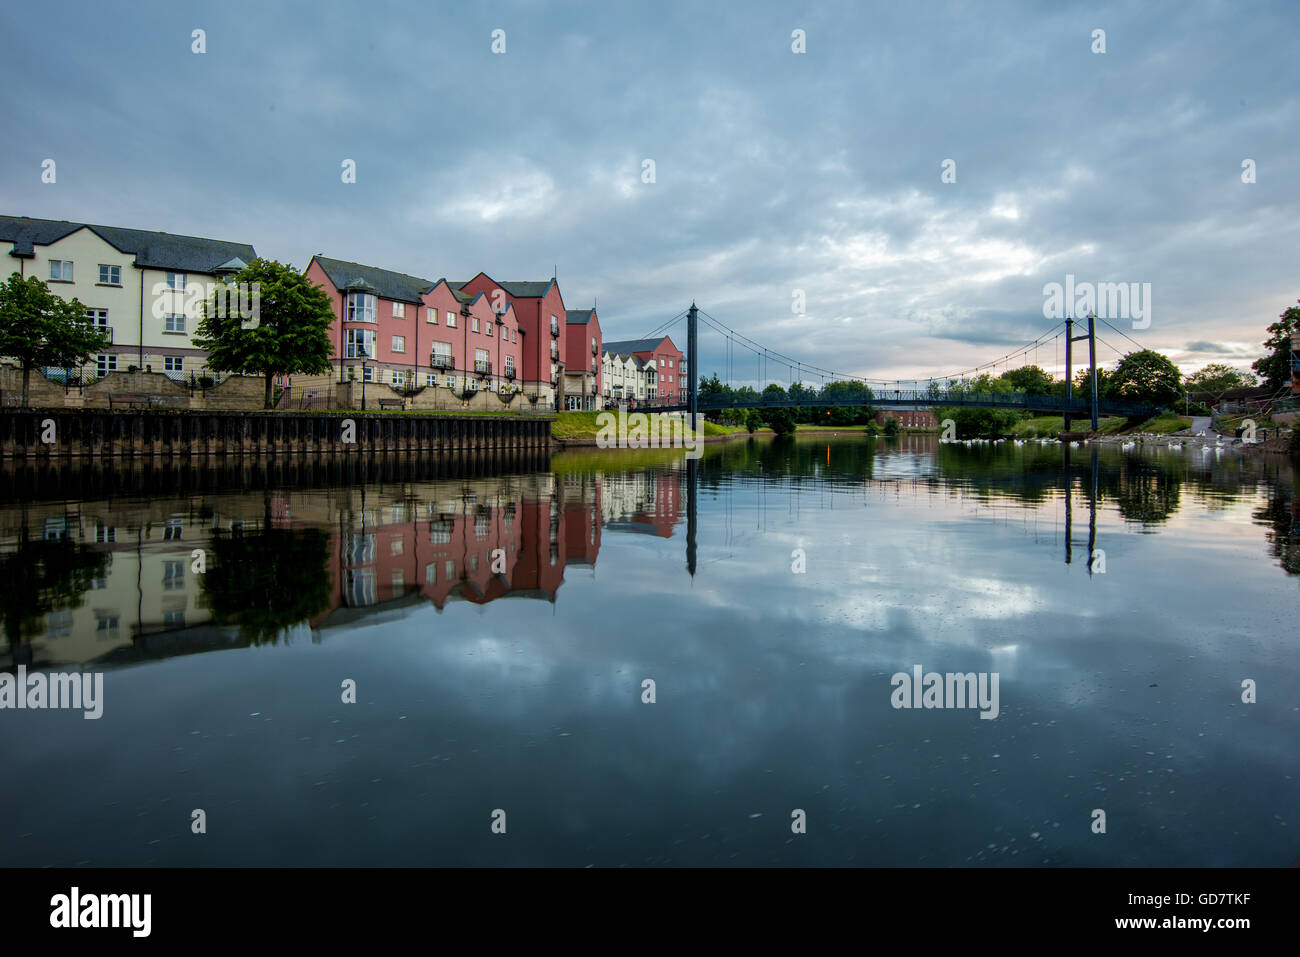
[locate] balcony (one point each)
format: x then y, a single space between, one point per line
555 328
441 361
593 365
555 350
482 366
595 348
510 372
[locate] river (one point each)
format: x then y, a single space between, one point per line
618 658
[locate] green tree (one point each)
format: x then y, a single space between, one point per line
1219 377
1146 376
1275 367
290 334
1029 379
39 328
753 419
774 393
891 426
780 421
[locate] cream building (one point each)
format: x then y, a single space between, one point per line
144 288
625 377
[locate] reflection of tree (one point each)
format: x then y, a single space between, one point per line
1281 517
41 577
1144 492
266 582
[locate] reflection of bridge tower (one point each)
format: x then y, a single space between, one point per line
1092 505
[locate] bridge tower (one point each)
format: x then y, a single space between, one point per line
693 370
1070 340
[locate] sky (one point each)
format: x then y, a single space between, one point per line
779 177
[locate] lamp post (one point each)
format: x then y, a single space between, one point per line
362 355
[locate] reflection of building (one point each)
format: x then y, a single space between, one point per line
648 502
145 588
387 548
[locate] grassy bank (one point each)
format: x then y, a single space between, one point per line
583 425
1049 426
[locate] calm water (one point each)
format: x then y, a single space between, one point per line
512 679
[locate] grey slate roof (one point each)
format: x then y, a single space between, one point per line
521 290
152 249
634 345
578 317
385 283
24 232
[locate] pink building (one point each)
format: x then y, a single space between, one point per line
413 333
540 313
583 347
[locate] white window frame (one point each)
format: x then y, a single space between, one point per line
64 270
173 363
451 320
399 310
105 363
368 341
98 318
369 307
114 275
176 281
174 322
399 344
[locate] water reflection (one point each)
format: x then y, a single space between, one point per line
115 579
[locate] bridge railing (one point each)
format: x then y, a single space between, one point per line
1036 402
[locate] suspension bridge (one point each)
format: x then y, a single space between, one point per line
956 389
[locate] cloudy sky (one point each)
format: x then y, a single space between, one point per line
774 171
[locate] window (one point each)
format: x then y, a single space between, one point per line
173 575
451 319
399 310
488 327
176 281
175 322
440 357
431 574
98 318
670 363
510 365
173 619
361 307
104 364
482 363
106 623
60 270
451 383
110 275
450 570
105 533
399 581
399 343
173 530
514 335
474 323
368 374
360 344
360 550
173 363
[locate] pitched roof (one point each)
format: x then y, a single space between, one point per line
152 249
635 345
579 317
521 290
384 282
24 233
